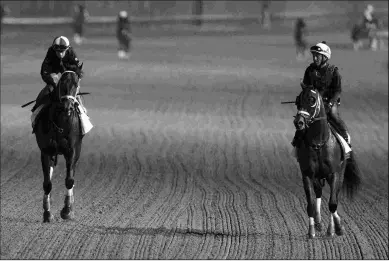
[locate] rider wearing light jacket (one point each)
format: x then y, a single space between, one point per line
327 80
123 35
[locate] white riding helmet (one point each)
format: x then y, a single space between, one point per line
123 14
370 8
322 48
61 43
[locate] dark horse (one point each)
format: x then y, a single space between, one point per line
373 32
58 132
322 158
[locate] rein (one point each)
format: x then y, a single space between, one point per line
311 119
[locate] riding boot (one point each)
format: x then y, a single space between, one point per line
341 128
297 139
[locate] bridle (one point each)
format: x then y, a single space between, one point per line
311 119
67 97
308 119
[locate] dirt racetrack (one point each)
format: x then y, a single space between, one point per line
190 157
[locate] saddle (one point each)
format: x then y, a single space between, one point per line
342 142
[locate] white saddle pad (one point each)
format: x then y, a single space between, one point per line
346 146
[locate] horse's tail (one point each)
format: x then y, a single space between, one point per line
352 176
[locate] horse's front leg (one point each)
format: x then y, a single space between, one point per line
67 211
335 225
308 187
47 167
318 192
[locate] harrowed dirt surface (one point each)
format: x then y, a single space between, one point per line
190 156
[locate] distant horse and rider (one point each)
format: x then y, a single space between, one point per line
371 28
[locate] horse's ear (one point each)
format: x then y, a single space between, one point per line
80 67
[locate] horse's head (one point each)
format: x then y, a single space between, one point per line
67 89
310 108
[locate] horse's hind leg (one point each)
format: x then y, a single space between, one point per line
308 187
47 185
335 225
318 192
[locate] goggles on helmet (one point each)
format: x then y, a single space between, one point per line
60 48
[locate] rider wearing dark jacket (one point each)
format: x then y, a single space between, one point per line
327 80
59 58
299 37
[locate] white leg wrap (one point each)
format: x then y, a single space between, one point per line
318 205
51 172
47 198
69 192
311 221
332 223
336 215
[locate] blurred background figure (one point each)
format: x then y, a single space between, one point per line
368 18
123 34
367 28
4 12
80 17
265 14
198 12
300 31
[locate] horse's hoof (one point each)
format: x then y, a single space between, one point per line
67 214
311 231
47 217
319 226
330 233
340 231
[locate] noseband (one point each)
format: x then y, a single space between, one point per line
307 117
67 97
70 98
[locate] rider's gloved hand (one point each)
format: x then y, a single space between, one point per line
55 78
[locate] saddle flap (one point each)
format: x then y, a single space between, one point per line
345 147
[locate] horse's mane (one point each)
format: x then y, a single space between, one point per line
67 80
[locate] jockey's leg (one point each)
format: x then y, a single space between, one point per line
86 125
340 125
79 100
43 97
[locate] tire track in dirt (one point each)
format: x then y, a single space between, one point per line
182 206
235 189
159 213
372 246
275 196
